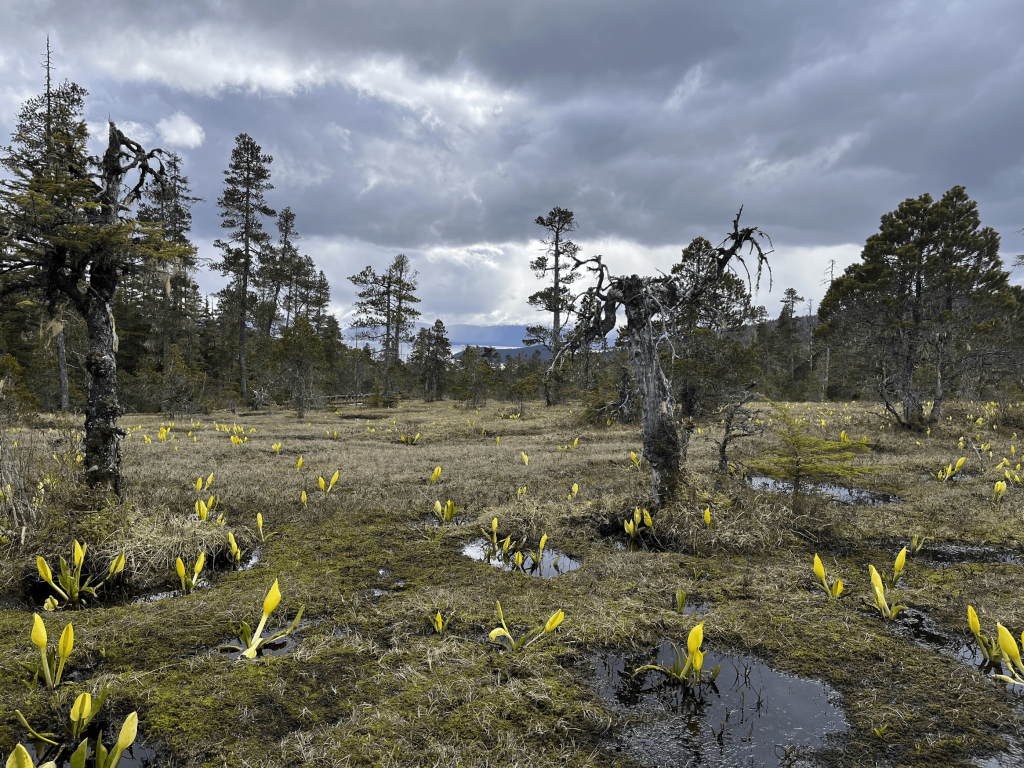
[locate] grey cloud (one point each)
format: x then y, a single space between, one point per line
411 127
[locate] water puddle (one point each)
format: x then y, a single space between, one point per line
923 631
278 648
250 560
1013 757
138 755
946 555
156 597
751 715
958 477
552 562
837 493
691 609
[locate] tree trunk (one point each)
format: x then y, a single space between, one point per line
660 437
62 366
102 435
939 391
242 377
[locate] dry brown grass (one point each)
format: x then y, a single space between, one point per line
369 684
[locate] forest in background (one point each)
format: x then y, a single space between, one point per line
928 314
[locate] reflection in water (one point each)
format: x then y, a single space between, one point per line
757 715
136 756
837 493
277 648
552 562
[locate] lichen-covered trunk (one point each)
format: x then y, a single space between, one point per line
102 435
660 437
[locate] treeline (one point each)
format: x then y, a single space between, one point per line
927 314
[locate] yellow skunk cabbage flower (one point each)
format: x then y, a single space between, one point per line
235 554
129 730
272 599
20 758
334 479
323 485
276 447
435 475
698 659
630 528
556 619
989 647
876 579
707 515
38 632
299 465
80 710
269 604
304 500
526 459
44 571
497 440
179 568
647 519
1000 489
575 488
540 550
901 560
199 484
79 553
1009 646
66 645
695 638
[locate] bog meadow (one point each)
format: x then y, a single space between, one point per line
688 533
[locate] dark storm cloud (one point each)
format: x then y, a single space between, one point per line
443 129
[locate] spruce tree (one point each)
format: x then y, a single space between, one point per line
67 233
431 355
242 209
384 311
803 458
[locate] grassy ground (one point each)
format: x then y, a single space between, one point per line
368 683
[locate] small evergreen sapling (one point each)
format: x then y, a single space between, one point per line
802 458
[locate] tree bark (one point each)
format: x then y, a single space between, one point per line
102 435
62 367
660 437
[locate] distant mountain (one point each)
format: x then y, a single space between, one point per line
462 335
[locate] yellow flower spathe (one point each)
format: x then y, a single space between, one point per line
272 599
38 632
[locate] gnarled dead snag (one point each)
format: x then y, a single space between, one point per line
648 303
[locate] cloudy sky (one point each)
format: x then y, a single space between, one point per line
443 129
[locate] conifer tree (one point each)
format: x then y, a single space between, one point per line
67 232
384 311
242 209
431 355
171 287
802 458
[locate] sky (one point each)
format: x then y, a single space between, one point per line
442 130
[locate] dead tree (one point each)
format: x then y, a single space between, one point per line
79 251
648 304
